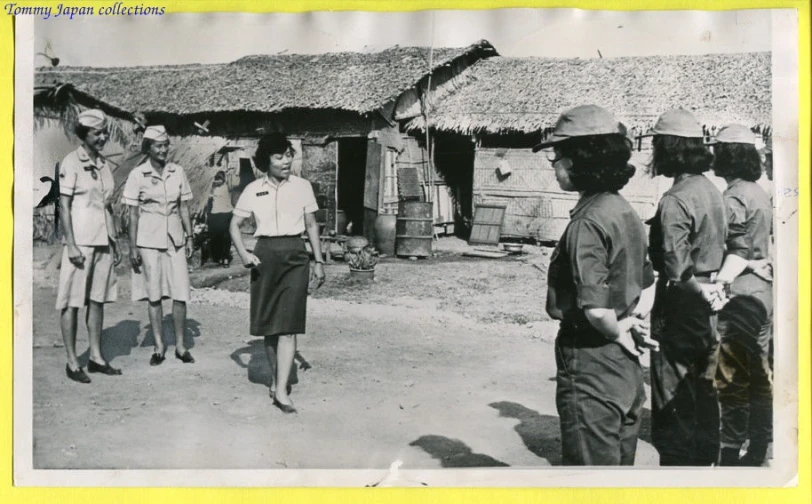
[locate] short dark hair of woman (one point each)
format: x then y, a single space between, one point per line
599 162
81 131
270 144
737 160
673 155
146 145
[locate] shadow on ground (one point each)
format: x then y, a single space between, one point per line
454 453
541 434
259 371
117 341
192 332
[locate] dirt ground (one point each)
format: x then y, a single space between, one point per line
441 362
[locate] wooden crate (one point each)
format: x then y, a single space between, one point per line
487 226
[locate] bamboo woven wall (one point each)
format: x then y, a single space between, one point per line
536 207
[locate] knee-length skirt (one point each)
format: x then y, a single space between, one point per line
164 275
279 286
95 280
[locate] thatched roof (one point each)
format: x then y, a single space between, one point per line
526 95
357 82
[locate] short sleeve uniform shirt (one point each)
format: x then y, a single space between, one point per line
687 235
90 185
600 261
158 198
278 210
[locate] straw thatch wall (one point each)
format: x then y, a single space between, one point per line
505 95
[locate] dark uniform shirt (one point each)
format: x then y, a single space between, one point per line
688 231
749 220
600 261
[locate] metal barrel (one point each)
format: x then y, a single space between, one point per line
414 228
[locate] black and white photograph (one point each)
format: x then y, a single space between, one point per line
515 247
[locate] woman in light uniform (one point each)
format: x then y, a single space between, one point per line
158 193
87 276
283 206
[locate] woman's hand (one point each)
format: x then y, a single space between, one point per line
762 268
75 256
318 270
135 259
249 260
634 336
190 247
714 294
116 251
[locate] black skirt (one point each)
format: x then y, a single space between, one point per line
279 286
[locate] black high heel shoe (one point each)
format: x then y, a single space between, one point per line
156 359
186 357
286 408
78 375
93 367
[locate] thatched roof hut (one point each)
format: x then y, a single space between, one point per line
357 83
319 99
526 95
506 104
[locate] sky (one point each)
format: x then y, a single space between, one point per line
224 37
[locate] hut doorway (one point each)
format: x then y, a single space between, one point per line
454 160
352 160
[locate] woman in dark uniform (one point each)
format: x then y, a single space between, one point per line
283 206
599 287
687 245
744 377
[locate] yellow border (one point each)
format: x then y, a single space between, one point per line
800 494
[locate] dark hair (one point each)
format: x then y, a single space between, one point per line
220 174
146 145
673 155
81 131
738 160
270 144
599 162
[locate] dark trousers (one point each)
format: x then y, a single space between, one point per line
744 377
219 238
685 407
599 397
